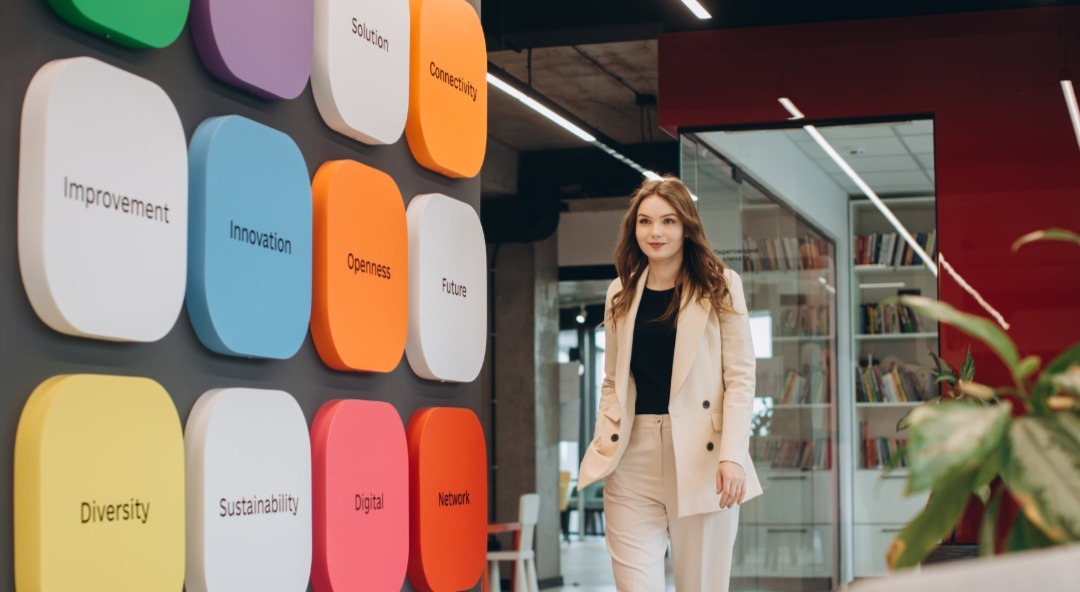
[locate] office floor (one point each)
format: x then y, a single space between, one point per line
586 567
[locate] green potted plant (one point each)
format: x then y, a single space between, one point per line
1021 440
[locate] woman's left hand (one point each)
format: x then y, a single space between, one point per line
730 483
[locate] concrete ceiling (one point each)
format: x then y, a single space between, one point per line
597 61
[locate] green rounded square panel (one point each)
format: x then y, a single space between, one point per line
134 23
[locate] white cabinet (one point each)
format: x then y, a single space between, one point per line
792 551
880 499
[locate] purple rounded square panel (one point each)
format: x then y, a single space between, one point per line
262 46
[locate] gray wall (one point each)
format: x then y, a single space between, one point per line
30 352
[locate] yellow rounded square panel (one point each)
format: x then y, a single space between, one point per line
99 487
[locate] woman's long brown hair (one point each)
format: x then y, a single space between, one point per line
702 273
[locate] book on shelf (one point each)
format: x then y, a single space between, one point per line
804 455
878 453
900 383
802 320
891 250
888 319
800 389
785 254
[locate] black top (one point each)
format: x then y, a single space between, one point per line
653 352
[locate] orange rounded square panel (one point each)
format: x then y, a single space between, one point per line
448 499
359 310
447 123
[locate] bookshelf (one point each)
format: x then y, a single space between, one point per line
789 536
892 348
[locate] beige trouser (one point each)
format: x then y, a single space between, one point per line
641 514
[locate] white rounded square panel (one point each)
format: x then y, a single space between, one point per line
360 67
248 492
103 194
447 289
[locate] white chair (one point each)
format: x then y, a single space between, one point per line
524 557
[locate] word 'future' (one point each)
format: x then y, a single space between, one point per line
454 288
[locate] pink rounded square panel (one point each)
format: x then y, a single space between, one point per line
360 487
262 46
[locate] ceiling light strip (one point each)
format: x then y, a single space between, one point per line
791 108
542 110
978 297
883 285
1070 102
569 126
698 10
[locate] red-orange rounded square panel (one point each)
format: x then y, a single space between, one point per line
448 499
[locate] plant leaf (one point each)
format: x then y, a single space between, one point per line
978 391
988 530
937 519
967 370
944 372
905 422
987 472
1025 536
952 438
1044 387
1069 381
982 329
1059 234
1027 366
1043 473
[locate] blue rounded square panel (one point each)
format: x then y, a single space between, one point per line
249 265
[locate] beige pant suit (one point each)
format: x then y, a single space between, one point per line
660 470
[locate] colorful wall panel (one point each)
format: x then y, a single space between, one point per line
360 68
359 318
448 475
360 489
447 124
102 202
249 267
249 492
134 23
261 46
447 289
125 281
99 487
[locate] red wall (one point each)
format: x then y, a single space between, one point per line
1007 160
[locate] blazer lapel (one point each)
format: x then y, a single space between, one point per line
625 336
692 319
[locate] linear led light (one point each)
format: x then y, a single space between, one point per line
855 178
791 108
570 126
1074 111
542 110
698 10
883 285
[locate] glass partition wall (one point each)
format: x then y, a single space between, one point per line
788 538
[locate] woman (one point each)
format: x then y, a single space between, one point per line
673 433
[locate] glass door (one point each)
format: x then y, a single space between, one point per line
788 538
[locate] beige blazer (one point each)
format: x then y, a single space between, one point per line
712 396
